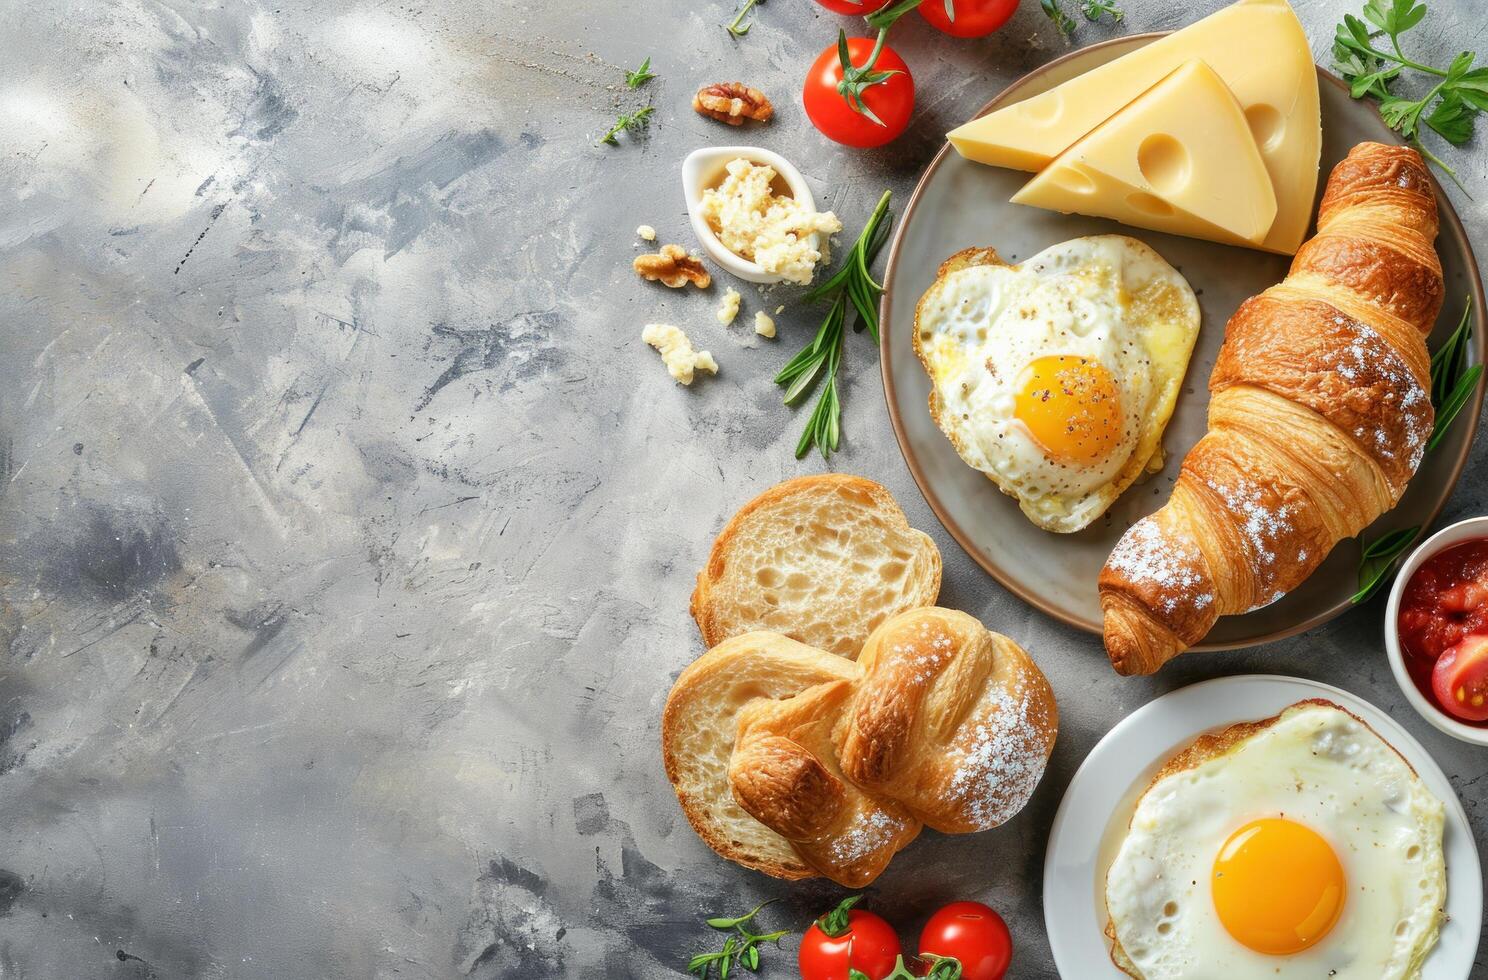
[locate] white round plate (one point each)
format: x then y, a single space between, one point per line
1098 804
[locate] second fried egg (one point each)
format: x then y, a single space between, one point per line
1056 377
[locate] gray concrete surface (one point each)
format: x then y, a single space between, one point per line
347 528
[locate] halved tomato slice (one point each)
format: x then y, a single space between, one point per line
1460 678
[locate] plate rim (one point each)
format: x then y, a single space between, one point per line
1400 738
1451 224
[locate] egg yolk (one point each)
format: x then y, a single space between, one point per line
1278 886
1071 406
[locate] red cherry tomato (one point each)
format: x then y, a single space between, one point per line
891 100
973 934
974 18
1460 678
862 7
868 944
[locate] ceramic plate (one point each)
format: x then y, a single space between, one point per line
960 204
1098 804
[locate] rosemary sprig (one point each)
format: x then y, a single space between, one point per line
741 948
1451 387
1091 9
851 290
639 77
733 26
628 122
1379 558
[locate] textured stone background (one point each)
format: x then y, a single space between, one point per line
347 528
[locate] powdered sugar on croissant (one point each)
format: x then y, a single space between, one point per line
796 762
1319 416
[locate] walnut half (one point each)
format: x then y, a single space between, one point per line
673 267
733 102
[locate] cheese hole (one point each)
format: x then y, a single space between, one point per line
1150 204
1044 111
1074 180
1267 126
1164 162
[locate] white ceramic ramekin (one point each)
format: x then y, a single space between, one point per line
703 168
1473 527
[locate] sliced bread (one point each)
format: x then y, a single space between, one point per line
821 559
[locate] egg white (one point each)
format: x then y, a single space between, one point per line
1107 298
1323 768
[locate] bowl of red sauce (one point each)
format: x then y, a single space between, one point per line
1436 630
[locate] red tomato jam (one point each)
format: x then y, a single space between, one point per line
1444 601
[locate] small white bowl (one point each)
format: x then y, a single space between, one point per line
1473 527
703 168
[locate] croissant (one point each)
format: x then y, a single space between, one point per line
1319 414
798 762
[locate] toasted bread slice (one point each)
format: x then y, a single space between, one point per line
701 722
822 559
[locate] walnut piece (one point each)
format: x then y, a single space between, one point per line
673 267
733 102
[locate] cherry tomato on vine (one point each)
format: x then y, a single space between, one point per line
871 105
846 938
974 18
862 7
973 934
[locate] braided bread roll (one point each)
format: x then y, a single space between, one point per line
798 762
1319 414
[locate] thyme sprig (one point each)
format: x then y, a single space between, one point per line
628 122
741 948
642 75
737 27
1091 9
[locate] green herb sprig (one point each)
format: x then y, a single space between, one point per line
741 948
1379 558
1091 9
940 968
851 290
642 75
737 27
1449 108
628 122
1452 384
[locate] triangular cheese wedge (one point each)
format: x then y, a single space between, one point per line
1179 159
1257 47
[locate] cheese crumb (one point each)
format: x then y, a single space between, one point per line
763 325
780 309
774 231
676 352
728 307
647 232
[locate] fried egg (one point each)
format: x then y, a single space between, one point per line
1302 846
1057 376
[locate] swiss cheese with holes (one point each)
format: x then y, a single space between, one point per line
1179 159
1257 47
